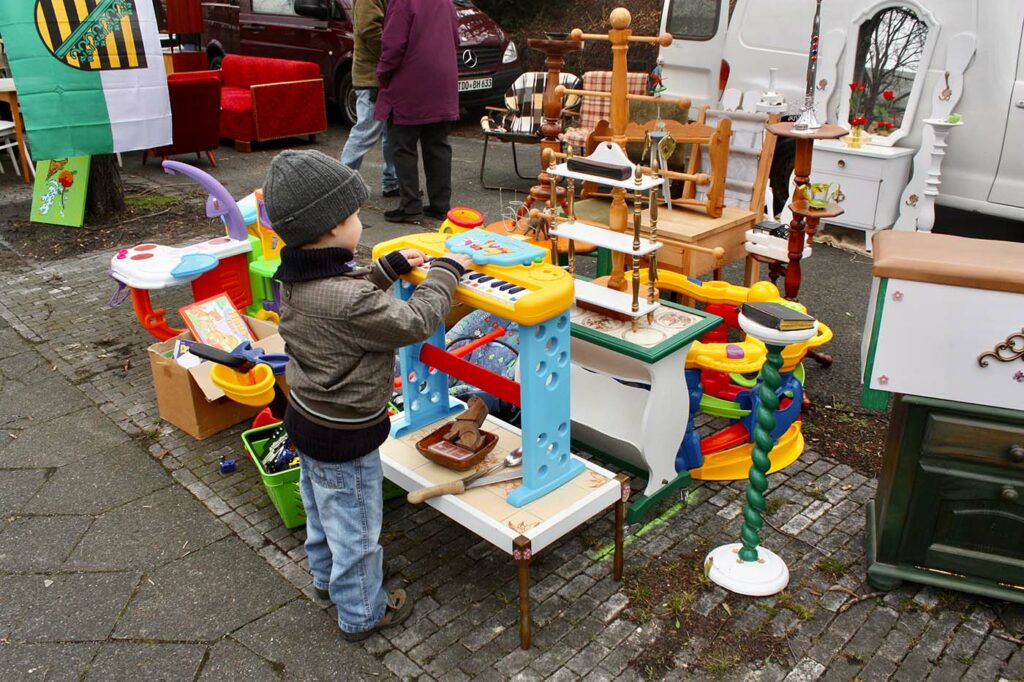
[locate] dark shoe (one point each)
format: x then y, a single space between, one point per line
399 608
392 193
431 212
400 216
326 595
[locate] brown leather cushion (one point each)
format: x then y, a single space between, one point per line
944 259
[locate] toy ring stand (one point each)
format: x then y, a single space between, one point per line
460 219
254 388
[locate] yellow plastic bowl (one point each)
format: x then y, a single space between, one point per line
236 385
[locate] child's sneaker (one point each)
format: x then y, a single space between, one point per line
398 609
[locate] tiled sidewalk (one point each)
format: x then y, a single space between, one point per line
586 625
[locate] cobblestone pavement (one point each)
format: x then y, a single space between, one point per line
465 620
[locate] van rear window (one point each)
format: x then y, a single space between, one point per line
693 19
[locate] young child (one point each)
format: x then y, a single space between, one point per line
341 325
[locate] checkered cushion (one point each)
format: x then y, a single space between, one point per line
595 109
524 104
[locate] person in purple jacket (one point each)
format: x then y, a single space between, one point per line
419 97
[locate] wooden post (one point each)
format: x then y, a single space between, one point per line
619 34
797 236
522 553
620 526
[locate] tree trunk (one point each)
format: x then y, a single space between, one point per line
106 191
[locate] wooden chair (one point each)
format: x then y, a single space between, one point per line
521 117
750 150
702 141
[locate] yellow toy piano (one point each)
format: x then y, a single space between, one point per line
509 277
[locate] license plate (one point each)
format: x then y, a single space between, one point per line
476 84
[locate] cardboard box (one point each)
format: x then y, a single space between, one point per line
188 398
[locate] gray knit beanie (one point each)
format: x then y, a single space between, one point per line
307 193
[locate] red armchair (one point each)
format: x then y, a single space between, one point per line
265 99
195 115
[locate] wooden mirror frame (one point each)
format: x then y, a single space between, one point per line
914 98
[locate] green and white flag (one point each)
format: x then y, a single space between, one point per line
89 75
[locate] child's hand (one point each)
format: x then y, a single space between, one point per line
460 258
414 256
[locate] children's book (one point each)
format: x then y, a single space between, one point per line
182 356
215 322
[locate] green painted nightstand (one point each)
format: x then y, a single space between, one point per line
950 505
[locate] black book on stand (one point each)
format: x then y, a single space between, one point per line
777 316
601 169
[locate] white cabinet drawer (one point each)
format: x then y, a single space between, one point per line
859 198
835 162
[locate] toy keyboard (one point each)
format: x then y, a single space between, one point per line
527 294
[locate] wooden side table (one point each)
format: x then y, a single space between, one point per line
803 223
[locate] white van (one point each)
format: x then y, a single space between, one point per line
930 49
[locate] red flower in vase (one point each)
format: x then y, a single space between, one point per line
66 179
859 121
889 95
855 86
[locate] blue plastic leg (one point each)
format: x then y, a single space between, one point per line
689 455
544 389
424 390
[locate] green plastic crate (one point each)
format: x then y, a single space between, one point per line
283 487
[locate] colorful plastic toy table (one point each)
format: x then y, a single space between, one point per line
518 531
638 428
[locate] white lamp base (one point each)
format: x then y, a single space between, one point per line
762 578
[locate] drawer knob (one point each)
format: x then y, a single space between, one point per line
841 163
1017 454
1009 494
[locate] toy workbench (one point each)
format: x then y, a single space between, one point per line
518 531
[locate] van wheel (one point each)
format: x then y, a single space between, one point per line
345 96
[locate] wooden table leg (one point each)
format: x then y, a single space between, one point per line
19 133
620 527
751 272
522 553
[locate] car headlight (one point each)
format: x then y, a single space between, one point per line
511 54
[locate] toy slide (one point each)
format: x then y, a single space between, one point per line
734 464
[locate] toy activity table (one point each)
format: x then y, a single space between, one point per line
558 491
640 428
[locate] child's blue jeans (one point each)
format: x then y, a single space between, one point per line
344 504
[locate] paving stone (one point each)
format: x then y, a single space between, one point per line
805 671
878 668
63 608
57 662
230 660
34 397
204 596
146 533
56 442
40 543
149 661
100 482
400 665
17 486
306 643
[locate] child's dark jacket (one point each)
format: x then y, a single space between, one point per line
341 326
